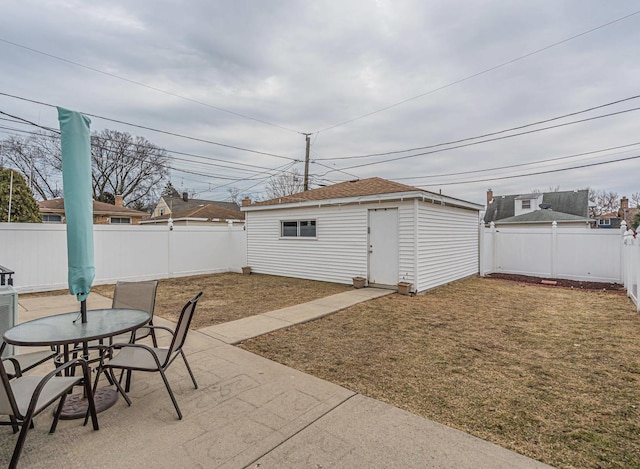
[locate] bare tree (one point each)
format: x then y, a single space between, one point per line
39 158
635 199
603 202
121 165
129 166
285 184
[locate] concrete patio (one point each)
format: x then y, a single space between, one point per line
248 412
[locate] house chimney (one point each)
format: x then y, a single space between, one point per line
624 203
489 196
185 197
119 201
246 201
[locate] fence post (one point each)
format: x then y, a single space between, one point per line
623 260
554 249
494 247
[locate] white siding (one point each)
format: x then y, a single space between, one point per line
447 249
338 253
447 245
407 254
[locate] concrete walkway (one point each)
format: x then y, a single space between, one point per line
248 412
235 332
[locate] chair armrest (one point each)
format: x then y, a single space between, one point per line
165 328
16 366
57 371
141 346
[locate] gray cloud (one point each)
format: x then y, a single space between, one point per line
309 65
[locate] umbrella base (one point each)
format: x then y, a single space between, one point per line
76 405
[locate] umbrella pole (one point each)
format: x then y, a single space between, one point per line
83 311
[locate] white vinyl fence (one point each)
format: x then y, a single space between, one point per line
37 253
594 255
631 266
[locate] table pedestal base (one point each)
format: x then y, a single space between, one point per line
76 405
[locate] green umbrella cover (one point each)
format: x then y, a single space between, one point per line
78 202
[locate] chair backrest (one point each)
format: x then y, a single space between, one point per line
136 295
184 322
8 404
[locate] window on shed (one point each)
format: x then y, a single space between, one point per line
298 229
526 204
120 221
604 221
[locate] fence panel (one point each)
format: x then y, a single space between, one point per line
38 252
551 252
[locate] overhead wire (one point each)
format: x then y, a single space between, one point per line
575 155
138 83
440 150
165 132
490 134
498 178
483 72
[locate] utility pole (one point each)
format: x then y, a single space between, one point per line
306 162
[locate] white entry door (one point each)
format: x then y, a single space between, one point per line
383 246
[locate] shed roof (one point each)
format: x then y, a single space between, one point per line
357 188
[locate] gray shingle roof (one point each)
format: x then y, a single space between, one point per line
178 205
568 202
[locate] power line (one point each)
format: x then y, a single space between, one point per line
588 165
490 69
163 149
166 132
490 134
159 90
520 164
490 139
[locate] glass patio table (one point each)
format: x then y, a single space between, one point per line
67 329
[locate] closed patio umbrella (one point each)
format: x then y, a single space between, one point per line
78 202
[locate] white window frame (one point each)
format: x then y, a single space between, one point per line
604 221
120 223
48 215
298 234
528 204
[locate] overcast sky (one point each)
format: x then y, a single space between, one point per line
294 67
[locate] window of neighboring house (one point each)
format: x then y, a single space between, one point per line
604 221
298 229
161 211
526 204
51 218
120 220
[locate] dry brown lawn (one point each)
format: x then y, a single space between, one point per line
232 296
548 372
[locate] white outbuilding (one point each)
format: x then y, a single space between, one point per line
382 230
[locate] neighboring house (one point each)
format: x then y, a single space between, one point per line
205 214
569 209
608 220
52 211
614 219
169 205
375 228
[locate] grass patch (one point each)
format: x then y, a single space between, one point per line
231 296
551 373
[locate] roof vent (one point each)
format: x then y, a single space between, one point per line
545 206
